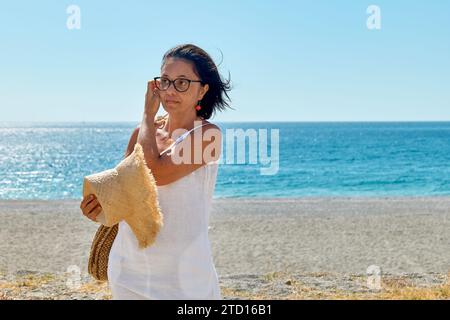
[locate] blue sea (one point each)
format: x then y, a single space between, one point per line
49 160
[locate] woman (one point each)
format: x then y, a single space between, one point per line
179 264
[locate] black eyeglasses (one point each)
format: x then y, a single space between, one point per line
180 84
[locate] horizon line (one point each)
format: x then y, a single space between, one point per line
245 121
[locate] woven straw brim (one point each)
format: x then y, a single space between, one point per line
104 185
99 254
128 192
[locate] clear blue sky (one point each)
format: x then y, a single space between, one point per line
289 60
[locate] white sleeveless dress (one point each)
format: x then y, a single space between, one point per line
179 264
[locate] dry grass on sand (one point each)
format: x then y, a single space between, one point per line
275 285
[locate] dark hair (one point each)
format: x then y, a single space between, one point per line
216 96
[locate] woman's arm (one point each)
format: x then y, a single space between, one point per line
165 169
147 133
168 167
147 139
131 142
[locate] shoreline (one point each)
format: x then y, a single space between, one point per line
275 198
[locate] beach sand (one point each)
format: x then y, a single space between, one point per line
262 248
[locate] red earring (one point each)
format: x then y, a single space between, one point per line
198 107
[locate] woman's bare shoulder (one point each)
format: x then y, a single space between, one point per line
210 125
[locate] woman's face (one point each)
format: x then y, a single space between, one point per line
173 101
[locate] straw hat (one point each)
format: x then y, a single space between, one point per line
128 192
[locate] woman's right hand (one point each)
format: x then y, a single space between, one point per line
152 99
90 207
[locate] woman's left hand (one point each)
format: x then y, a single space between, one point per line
152 99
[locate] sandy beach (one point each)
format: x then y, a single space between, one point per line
262 248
